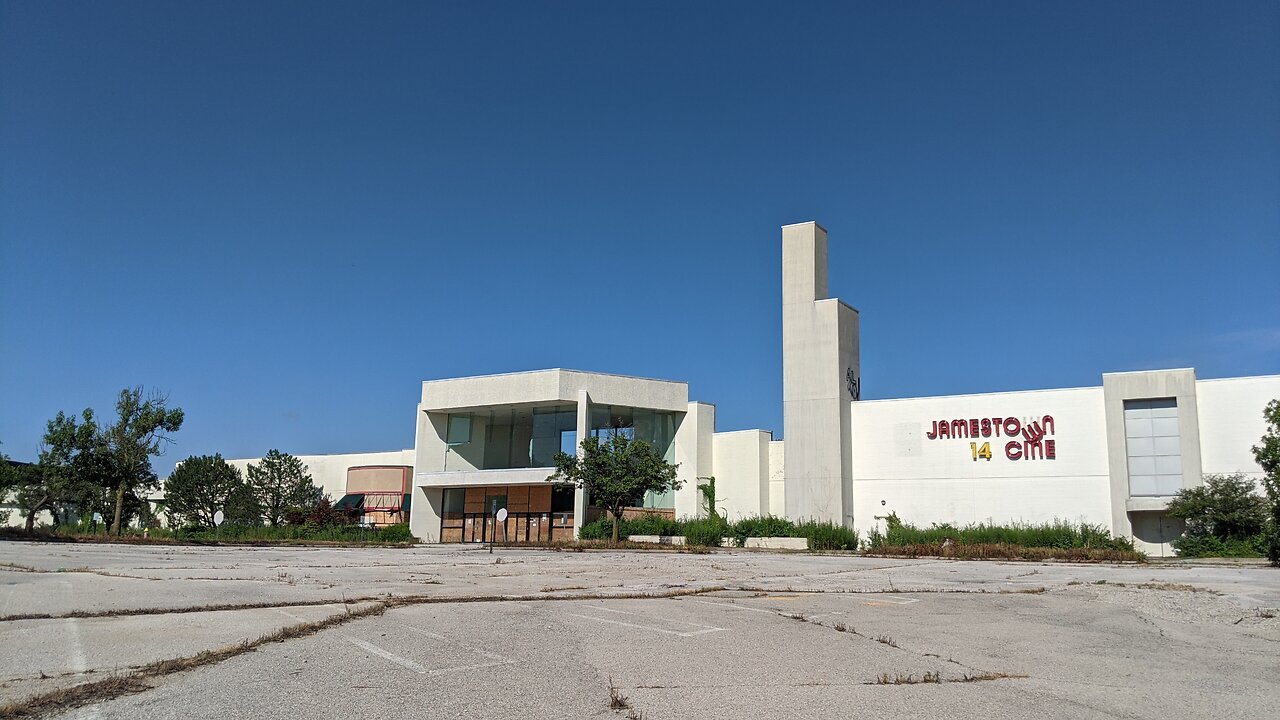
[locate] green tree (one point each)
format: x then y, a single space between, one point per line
8 476
202 485
75 466
615 472
1267 455
141 431
1225 506
280 483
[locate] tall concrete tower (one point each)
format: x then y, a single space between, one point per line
820 378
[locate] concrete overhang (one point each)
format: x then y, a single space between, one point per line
1147 504
463 478
551 387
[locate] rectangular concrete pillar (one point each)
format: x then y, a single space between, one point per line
820 377
694 454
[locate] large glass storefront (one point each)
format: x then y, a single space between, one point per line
535 514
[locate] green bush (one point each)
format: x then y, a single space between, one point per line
827 535
707 532
652 524
761 526
1058 534
397 533
601 529
1211 546
648 524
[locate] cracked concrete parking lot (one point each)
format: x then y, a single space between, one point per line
107 631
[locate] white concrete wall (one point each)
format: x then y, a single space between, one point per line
12 515
897 468
694 453
741 467
777 479
330 471
1231 422
819 358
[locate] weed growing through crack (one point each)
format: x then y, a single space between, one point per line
936 678
981 677
617 701
1176 587
886 640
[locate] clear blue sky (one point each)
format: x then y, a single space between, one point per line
288 215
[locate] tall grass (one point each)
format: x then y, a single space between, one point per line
1058 534
827 536
242 533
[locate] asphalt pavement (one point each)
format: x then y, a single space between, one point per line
462 633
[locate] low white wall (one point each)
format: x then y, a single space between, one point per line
658 539
898 468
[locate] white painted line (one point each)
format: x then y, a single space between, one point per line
498 660
597 607
428 633
709 629
731 606
469 667
403 662
903 600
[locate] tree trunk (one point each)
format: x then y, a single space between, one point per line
119 507
31 515
617 522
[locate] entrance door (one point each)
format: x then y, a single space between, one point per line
1153 532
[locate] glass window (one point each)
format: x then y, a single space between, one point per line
459 431
511 437
655 427
569 441
1153 446
494 503
453 500
562 498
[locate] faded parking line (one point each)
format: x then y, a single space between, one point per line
692 633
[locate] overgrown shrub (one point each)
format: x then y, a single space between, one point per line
1210 546
706 532
648 524
653 524
1011 552
761 526
1226 517
1058 534
827 536
395 533
601 529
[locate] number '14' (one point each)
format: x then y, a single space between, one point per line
983 452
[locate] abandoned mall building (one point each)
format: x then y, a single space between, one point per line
1112 454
